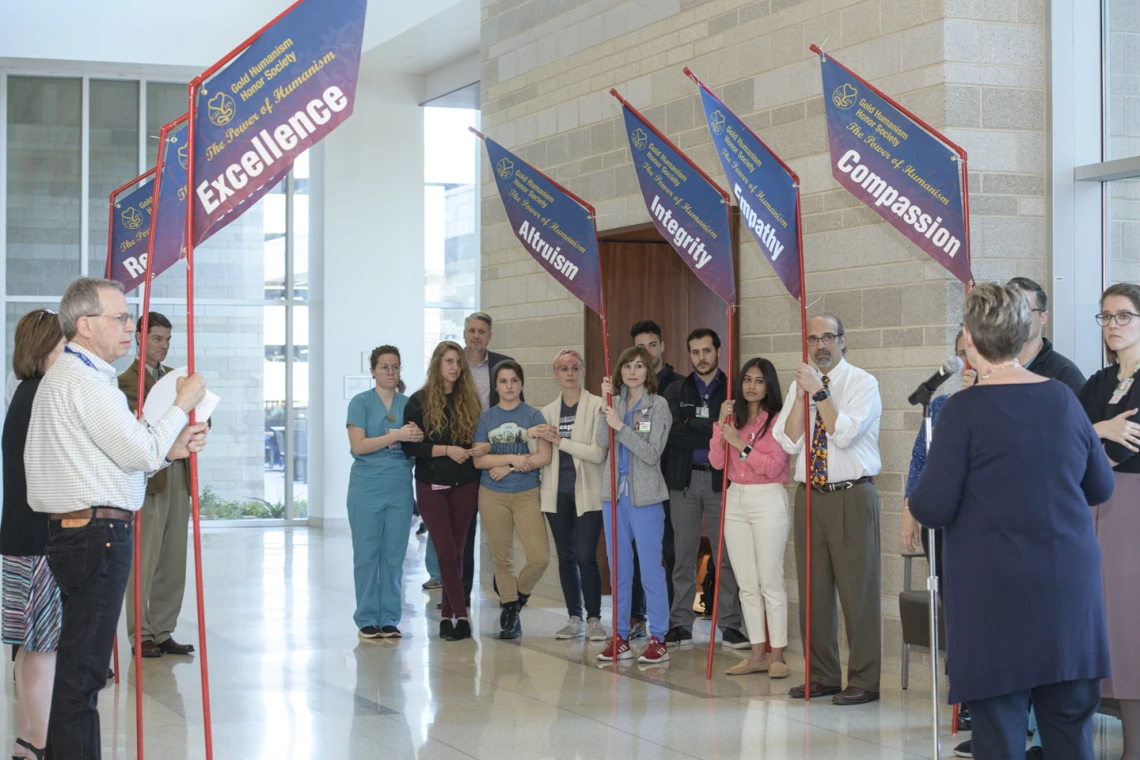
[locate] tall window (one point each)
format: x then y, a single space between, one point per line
1121 118
65 143
451 215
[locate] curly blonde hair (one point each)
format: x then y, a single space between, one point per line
465 406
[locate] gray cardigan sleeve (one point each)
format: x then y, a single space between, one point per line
648 448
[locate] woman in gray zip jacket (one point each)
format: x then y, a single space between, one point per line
640 421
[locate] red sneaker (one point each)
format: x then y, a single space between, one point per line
623 650
655 652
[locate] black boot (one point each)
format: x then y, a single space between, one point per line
462 630
523 599
509 620
446 629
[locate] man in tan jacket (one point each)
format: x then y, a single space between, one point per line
165 518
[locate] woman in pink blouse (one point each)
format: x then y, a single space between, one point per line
756 511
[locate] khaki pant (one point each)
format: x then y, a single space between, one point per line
503 515
162 574
845 560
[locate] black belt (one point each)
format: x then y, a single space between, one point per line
703 467
844 485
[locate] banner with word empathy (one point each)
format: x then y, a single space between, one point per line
131 232
904 170
687 209
292 86
553 227
763 187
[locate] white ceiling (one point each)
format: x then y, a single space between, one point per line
411 36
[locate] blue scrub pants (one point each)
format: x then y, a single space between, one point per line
431 560
380 519
646 526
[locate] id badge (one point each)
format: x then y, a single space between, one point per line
642 426
392 446
702 412
1121 391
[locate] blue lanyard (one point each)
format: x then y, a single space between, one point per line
82 358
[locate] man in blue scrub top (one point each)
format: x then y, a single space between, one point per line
380 497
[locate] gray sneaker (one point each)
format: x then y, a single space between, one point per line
573 630
597 633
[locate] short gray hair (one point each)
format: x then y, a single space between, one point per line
481 316
998 319
81 299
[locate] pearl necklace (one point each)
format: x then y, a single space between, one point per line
1007 365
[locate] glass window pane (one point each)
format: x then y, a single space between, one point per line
301 227
1122 108
300 412
164 103
1124 231
44 183
440 325
114 158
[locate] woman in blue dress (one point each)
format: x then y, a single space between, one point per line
380 498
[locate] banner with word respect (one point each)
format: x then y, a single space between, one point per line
687 209
282 95
764 189
553 227
906 172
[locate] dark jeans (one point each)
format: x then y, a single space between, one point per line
668 554
576 540
1064 717
91 565
447 513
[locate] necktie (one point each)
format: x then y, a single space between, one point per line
819 449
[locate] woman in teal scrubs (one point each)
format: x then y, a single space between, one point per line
380 498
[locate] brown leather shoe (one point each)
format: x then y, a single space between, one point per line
817 690
853 695
150 650
170 646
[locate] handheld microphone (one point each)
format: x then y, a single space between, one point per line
923 393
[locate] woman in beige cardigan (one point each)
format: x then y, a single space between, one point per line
571 495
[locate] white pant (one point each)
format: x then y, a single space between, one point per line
756 536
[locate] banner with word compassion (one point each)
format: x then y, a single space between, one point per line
553 227
688 210
282 95
763 187
906 172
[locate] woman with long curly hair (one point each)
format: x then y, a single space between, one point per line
447 409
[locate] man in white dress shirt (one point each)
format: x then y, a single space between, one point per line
843 462
87 459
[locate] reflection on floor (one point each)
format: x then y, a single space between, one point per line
290 680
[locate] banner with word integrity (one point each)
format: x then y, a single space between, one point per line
687 209
762 186
907 173
282 95
553 227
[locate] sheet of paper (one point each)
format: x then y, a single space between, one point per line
162 395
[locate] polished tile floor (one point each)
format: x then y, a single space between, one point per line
290 680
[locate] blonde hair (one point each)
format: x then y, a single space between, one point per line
998 319
566 356
465 406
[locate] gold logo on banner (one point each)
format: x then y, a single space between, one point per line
640 139
844 97
222 109
132 218
504 168
717 122
183 159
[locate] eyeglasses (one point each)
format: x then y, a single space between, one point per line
1120 318
393 368
826 339
123 319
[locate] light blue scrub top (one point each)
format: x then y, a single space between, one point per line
367 412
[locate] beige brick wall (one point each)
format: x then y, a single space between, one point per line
974 68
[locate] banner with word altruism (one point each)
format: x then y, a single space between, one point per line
907 173
764 189
553 227
282 95
130 236
687 209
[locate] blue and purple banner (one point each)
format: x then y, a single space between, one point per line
764 190
908 174
687 209
282 95
553 227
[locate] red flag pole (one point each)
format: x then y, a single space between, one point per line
723 502
807 456
194 501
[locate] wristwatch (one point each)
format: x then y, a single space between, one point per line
512 467
821 395
746 450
